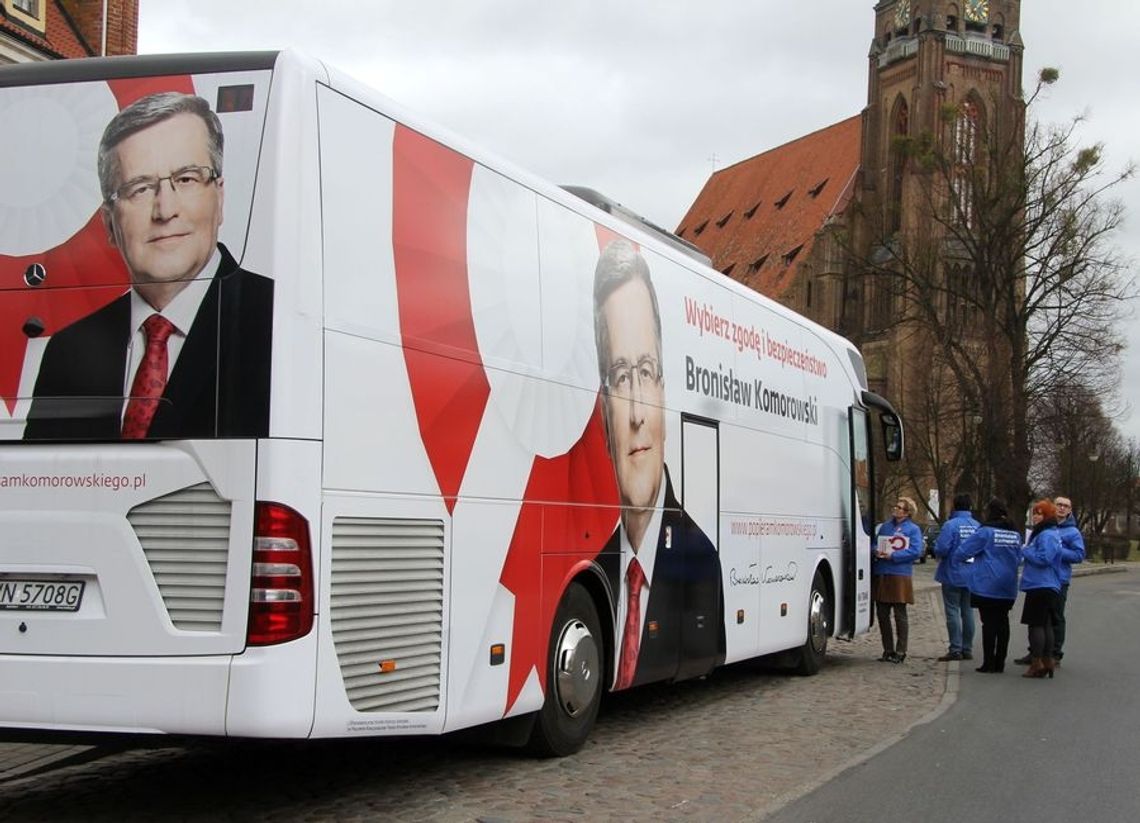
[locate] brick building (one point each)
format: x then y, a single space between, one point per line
801 221
55 29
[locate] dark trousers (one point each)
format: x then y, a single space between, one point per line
883 615
995 633
1059 623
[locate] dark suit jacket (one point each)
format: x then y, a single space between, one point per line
219 386
683 634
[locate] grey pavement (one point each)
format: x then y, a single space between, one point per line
759 742
23 759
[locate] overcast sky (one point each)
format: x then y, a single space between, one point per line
641 98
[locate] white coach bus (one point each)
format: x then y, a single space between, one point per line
316 421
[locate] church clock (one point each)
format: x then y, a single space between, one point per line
902 14
977 11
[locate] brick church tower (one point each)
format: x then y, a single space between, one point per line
939 71
816 223
948 75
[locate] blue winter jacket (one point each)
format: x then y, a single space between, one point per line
996 554
902 561
1042 557
950 571
1072 547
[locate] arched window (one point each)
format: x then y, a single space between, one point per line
967 127
900 128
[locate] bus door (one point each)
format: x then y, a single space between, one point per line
858 505
702 623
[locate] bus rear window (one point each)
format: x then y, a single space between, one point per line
124 312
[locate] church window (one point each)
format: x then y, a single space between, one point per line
900 128
999 32
965 159
951 22
881 302
961 299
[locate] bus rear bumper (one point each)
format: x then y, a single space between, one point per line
176 695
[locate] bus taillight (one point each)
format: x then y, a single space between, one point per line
281 583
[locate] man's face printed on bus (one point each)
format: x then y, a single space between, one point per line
168 235
635 390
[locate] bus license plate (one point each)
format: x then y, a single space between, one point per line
41 595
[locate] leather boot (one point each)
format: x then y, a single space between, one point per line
1036 668
1048 664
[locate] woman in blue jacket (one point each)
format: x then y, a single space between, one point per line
898 545
990 557
1041 582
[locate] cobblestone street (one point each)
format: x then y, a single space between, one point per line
733 747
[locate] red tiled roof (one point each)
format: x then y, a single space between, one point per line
59 40
764 209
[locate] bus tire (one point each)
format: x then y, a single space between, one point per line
574 672
820 611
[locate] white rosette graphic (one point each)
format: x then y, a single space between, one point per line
48 184
536 335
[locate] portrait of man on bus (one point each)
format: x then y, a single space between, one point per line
185 351
663 570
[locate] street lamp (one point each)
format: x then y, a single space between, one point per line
979 455
1094 456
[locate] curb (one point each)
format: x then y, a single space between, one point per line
1084 570
949 697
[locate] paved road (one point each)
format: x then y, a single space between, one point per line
735 746
1051 751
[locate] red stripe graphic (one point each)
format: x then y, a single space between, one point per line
552 541
429 238
129 90
570 536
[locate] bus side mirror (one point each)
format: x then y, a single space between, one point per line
892 436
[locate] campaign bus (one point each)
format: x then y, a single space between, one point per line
317 421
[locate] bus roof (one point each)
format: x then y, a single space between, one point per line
108 68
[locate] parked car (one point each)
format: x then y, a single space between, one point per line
929 535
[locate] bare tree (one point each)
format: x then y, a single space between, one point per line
1008 265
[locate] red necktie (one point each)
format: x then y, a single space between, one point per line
150 379
631 637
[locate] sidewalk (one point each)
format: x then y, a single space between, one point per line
23 759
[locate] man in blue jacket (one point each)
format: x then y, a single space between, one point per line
1072 551
952 575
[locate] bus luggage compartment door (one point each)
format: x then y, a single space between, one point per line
138 549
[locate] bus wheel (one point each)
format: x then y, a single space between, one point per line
819 627
573 677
